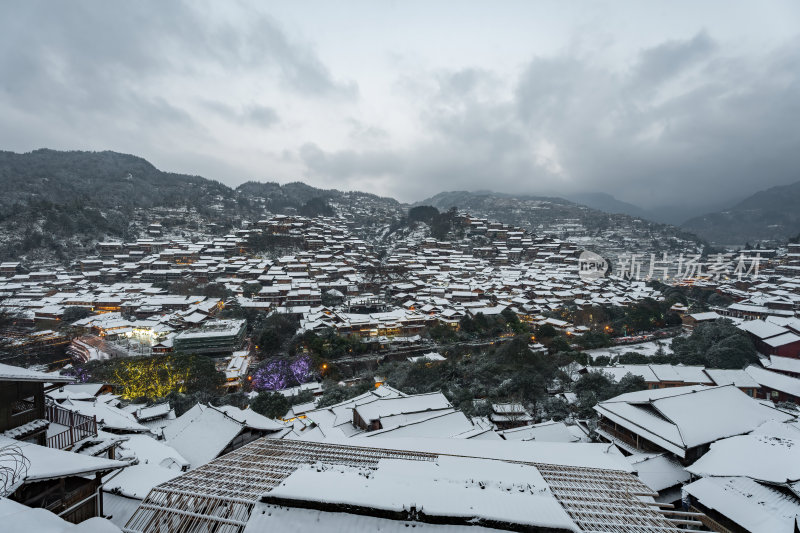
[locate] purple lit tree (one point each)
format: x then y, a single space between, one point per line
272 375
301 369
82 374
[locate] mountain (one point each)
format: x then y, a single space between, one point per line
546 215
296 194
772 214
97 179
56 204
56 201
608 204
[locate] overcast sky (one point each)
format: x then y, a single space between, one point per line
653 102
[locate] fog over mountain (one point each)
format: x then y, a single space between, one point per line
693 111
769 214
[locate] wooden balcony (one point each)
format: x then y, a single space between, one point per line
77 427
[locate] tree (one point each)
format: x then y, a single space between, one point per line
316 207
555 408
512 321
270 404
305 396
559 344
334 394
332 298
546 331
598 383
422 213
442 334
250 289
630 383
156 376
594 387
73 313
632 358
594 339
275 332
718 344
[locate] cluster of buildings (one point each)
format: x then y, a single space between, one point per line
425 465
669 458
673 460
726 455
386 294
612 235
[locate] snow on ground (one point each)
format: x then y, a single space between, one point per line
645 348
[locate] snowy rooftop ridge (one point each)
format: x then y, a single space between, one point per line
15 373
415 478
681 418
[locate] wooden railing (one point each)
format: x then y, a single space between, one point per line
83 510
621 435
78 426
75 505
709 522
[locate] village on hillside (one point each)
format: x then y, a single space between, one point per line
293 371
399 266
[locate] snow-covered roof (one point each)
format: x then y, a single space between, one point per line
19 518
700 317
782 340
782 364
250 418
762 329
136 481
201 433
476 490
774 380
737 377
270 517
409 480
680 418
755 507
394 406
108 417
659 471
144 449
438 424
15 373
550 431
50 463
432 356
775 459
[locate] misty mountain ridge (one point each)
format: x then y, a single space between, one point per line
771 214
56 203
566 218
666 214
110 179
50 197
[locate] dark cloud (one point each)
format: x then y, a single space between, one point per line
685 124
668 60
686 120
255 115
90 65
262 115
